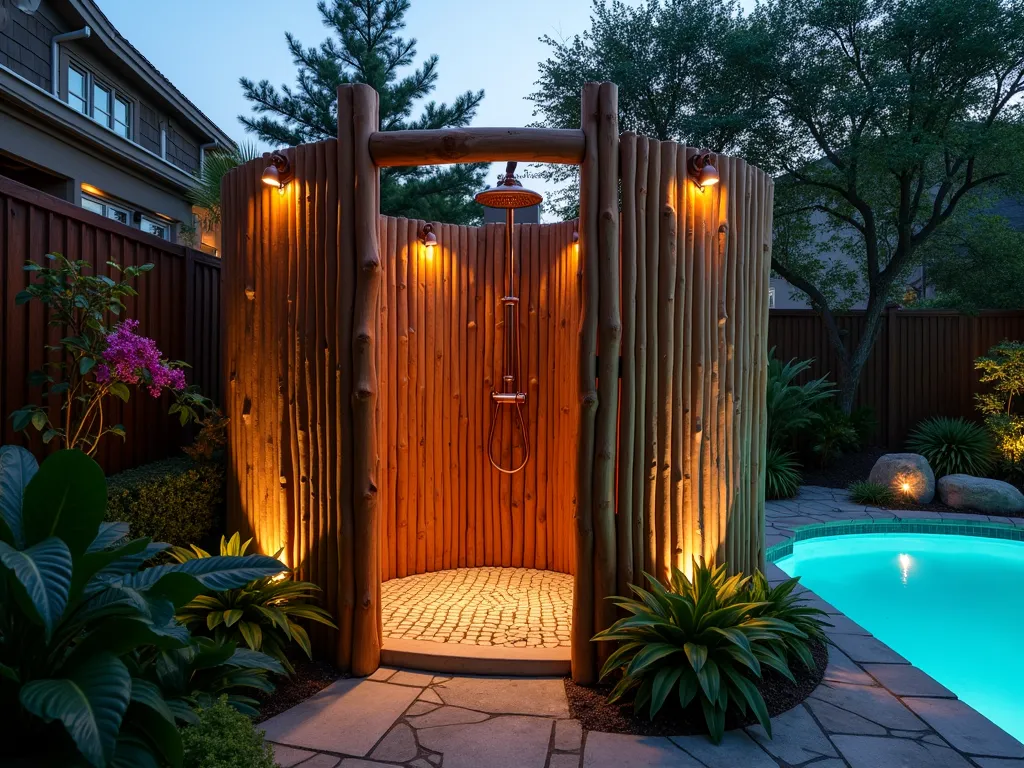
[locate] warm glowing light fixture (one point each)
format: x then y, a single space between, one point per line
906 487
279 172
427 236
91 190
702 169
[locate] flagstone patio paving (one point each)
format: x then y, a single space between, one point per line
872 710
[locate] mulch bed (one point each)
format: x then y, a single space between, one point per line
590 705
310 677
847 469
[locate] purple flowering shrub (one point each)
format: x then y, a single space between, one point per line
97 358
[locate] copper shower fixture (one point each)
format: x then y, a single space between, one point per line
509 194
702 168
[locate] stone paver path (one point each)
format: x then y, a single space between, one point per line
872 710
511 607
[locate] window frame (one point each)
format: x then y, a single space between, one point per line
114 95
108 207
771 297
165 225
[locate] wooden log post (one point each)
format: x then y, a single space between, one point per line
610 330
584 668
364 188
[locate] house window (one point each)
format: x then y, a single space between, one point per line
154 227
101 105
122 112
771 298
109 210
77 92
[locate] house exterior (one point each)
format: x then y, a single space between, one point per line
84 116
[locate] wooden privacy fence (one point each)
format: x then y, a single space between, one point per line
359 369
922 364
178 305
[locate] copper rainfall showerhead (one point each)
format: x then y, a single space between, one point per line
509 193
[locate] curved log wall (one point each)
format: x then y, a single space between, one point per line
359 370
441 328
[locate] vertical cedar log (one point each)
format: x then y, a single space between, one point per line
680 516
545 395
610 330
684 343
664 507
584 668
366 642
345 612
652 236
639 471
402 415
627 431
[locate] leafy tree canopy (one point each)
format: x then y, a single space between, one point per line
366 47
878 118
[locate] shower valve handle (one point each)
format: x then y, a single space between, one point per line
509 397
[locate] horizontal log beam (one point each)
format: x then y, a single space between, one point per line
477 145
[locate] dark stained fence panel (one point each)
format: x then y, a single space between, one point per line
178 305
922 364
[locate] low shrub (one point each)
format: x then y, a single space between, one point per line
871 494
953 446
225 738
789 405
262 614
834 434
175 500
704 642
782 474
1003 370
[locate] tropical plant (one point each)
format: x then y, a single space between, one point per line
366 46
225 738
1003 369
781 474
783 602
834 434
953 446
263 614
790 406
95 359
84 624
205 193
705 640
871 494
212 440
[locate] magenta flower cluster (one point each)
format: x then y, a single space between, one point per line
130 357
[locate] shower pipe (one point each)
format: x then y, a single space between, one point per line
511 366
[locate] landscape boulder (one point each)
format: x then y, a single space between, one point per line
909 475
980 494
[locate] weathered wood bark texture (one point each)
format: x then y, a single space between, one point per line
360 364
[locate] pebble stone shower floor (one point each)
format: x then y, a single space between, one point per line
510 607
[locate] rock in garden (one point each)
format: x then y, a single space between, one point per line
908 474
980 494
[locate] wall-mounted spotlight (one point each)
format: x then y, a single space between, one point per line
427 236
279 172
702 169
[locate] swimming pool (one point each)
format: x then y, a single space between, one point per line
951 605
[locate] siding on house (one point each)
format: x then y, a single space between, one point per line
182 150
25 45
149 128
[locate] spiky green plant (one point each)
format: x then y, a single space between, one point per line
262 614
782 602
704 641
953 446
871 494
789 405
781 474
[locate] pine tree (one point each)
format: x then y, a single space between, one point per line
366 48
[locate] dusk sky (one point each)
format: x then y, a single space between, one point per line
481 44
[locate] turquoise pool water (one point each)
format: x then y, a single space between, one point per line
951 605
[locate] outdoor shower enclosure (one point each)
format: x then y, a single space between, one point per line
360 365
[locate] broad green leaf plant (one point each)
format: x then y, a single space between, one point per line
99 357
94 667
263 614
704 642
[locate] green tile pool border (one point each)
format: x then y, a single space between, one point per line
910 525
